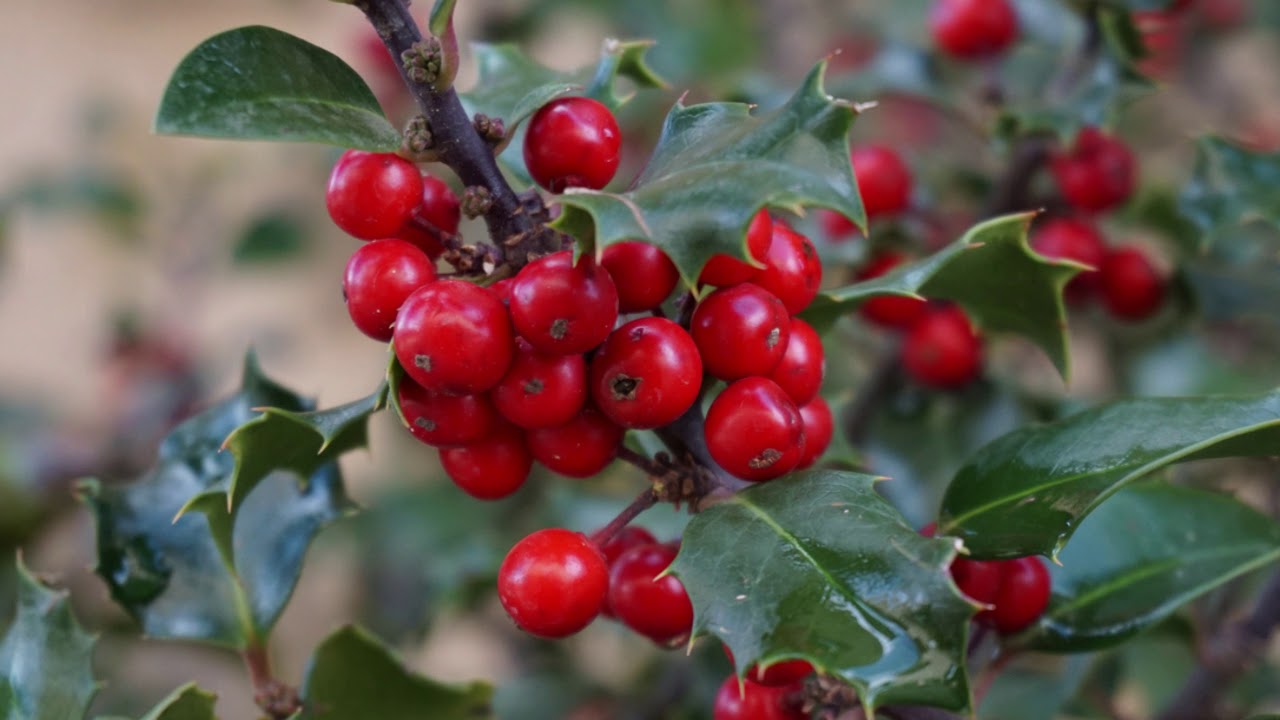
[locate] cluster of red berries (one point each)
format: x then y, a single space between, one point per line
973 30
1016 591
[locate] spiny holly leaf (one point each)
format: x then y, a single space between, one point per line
46 657
212 577
819 566
991 272
352 675
1143 554
188 702
715 165
258 83
1028 491
1231 185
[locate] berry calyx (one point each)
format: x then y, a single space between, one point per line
454 337
724 270
1097 173
1023 595
446 420
646 374
572 142
553 583
973 29
657 608
372 195
942 350
792 270
1132 288
819 427
803 363
642 273
740 331
1071 239
753 701
754 431
379 277
490 468
562 308
889 311
439 210
580 448
541 390
884 180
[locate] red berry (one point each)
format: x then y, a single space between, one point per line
553 583
491 468
753 701
580 448
625 539
647 374
1023 595
440 210
725 270
754 430
792 270
1132 288
973 29
642 272
978 579
803 363
371 195
454 337
446 420
502 289
380 276
819 426
884 180
572 142
942 349
786 672
835 226
889 311
657 608
740 331
563 308
1097 173
1070 239
541 390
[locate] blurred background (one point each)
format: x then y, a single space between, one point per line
135 270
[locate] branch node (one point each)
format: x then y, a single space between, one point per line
419 143
422 61
476 201
493 130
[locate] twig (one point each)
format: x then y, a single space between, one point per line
648 465
1012 191
273 697
1233 651
643 501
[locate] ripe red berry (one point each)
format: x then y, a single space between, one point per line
446 420
642 272
786 672
1132 288
754 430
1097 173
580 448
889 311
836 227
657 608
491 468
454 337
553 583
973 29
439 210
819 426
803 363
942 349
724 270
646 374
753 701
371 195
1023 595
1071 239
792 270
541 390
740 331
978 579
380 276
572 142
622 541
884 180
562 308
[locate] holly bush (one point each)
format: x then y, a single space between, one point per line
781 419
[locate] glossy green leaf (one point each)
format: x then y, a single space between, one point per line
188 702
991 272
818 566
46 657
1031 691
352 675
258 83
1028 491
1231 185
715 165
211 576
1142 555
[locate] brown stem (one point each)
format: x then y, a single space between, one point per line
643 501
273 697
646 464
1012 190
1232 651
517 236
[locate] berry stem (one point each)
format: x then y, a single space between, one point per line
272 696
517 235
647 464
643 501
